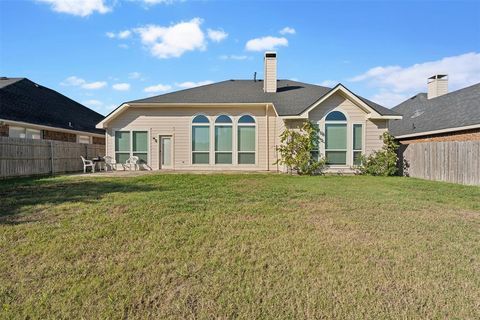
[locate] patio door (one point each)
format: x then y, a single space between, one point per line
166 152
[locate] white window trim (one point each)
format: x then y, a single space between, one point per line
215 124
209 142
255 124
131 130
362 150
25 130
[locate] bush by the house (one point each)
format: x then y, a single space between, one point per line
382 162
298 148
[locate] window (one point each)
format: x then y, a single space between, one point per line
122 146
131 143
84 139
357 143
223 140
140 145
200 140
246 140
24 133
336 138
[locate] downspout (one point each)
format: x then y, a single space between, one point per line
268 138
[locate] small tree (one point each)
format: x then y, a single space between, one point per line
382 162
296 149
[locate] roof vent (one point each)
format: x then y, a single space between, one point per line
437 86
70 124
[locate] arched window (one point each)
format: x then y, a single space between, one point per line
200 140
336 138
223 140
246 140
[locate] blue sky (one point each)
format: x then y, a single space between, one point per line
102 53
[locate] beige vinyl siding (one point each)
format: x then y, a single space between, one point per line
373 135
176 121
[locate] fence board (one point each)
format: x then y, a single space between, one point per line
451 161
25 157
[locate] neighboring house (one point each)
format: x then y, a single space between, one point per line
438 115
29 110
236 124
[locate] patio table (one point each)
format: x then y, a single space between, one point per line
100 162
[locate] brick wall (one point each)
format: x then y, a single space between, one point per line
3 130
59 136
465 135
96 140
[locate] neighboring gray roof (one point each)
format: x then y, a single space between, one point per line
291 98
456 109
25 101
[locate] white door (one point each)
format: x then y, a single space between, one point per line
166 153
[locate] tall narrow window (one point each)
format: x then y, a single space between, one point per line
223 140
357 144
122 146
336 138
140 145
200 140
246 140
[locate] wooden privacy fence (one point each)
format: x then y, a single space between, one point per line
451 161
26 157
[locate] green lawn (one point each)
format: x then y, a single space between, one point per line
239 246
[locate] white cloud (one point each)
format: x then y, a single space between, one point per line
158 88
80 8
287 30
233 57
121 86
191 84
395 82
217 35
79 82
123 46
119 35
328 83
93 103
135 75
265 43
173 41
94 85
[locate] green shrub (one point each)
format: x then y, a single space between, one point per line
297 147
382 162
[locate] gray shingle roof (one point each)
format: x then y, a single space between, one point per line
291 98
25 101
456 109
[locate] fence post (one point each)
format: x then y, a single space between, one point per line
51 157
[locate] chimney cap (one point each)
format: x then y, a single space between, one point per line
270 54
438 76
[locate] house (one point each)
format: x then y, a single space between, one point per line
439 115
236 124
29 110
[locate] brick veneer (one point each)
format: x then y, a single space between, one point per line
60 136
465 135
3 130
96 140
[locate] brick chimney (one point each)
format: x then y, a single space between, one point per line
437 85
270 72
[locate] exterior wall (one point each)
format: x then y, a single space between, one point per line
59 136
4 130
97 140
465 135
176 122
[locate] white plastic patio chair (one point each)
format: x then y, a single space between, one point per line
87 163
110 162
132 161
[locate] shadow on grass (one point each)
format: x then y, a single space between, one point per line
20 194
